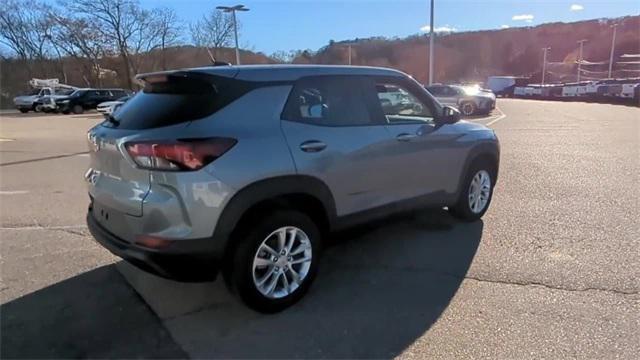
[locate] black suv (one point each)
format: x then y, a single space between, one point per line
86 99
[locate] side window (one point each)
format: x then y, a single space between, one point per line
46 92
400 105
328 101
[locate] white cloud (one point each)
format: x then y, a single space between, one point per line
576 7
441 29
524 17
504 26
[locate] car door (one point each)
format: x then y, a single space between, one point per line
449 97
332 137
419 147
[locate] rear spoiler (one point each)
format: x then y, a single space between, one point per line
203 73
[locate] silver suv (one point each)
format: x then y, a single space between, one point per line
470 100
244 169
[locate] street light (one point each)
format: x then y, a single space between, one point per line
431 46
544 63
581 42
613 46
232 10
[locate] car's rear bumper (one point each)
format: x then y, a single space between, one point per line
183 260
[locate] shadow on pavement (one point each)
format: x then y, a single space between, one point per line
93 315
378 290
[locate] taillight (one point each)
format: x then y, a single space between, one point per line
178 155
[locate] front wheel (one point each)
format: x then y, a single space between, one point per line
24 111
476 193
78 109
276 261
468 108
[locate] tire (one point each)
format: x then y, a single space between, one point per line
468 108
463 209
66 112
24 111
243 277
78 109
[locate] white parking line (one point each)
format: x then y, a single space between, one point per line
38 227
502 116
13 192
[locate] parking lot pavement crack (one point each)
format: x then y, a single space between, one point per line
553 287
43 158
484 280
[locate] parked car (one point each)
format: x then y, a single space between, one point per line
86 99
27 102
47 104
108 107
244 169
469 100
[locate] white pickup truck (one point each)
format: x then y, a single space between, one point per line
49 88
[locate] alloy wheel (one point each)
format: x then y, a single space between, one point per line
282 262
479 191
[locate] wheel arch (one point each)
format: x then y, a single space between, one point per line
305 193
486 151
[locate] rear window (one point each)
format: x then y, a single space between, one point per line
169 100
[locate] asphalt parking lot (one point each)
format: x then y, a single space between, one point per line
552 271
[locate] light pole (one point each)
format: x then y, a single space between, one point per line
232 10
581 42
613 46
544 63
431 46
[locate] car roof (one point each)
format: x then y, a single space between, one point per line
276 72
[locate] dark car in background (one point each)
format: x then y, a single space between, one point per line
87 99
469 100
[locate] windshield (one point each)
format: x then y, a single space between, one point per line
468 90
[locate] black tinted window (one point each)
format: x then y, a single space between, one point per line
177 99
328 101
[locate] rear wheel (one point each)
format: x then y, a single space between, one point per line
24 111
476 193
78 109
468 108
276 261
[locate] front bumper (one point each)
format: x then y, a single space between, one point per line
183 260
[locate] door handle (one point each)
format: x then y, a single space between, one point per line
312 146
405 137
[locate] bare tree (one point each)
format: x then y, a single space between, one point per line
168 30
117 21
155 30
24 28
81 41
213 30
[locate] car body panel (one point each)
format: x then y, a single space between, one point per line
361 168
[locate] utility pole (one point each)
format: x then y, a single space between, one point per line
431 46
349 54
544 63
581 42
613 46
232 10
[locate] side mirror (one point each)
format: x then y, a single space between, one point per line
450 115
